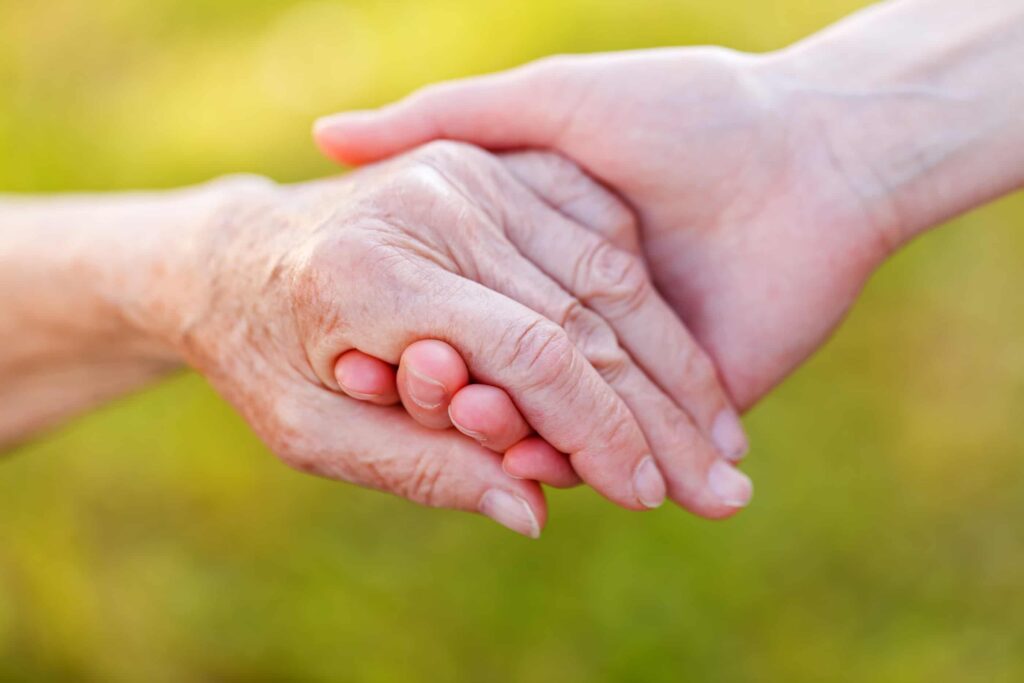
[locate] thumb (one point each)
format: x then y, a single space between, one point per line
526 107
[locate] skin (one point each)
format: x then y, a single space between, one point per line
769 187
482 412
269 291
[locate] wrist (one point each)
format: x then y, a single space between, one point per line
95 287
918 104
176 270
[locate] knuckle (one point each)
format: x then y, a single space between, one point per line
317 288
326 310
542 352
552 64
614 365
445 154
422 483
596 341
612 279
620 437
623 228
456 174
422 99
424 94
427 176
697 373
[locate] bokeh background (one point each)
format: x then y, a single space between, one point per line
157 540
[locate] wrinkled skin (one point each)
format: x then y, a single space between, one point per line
758 224
446 243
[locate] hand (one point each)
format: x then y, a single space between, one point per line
752 223
430 246
483 413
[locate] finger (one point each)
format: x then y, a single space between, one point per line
503 342
385 449
557 391
430 372
583 200
480 411
677 442
534 458
561 394
681 452
366 378
495 111
487 414
614 283
611 282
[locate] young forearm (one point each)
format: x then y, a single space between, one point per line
922 102
82 284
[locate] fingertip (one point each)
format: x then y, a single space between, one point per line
366 378
726 490
536 459
363 136
520 506
430 372
437 361
349 137
649 483
728 435
730 485
487 414
532 492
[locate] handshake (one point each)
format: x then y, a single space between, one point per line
588 266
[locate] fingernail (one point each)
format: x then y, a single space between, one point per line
648 484
511 512
505 470
425 392
352 391
359 395
468 432
730 485
728 435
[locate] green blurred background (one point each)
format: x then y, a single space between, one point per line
158 541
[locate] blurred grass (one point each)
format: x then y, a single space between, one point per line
158 541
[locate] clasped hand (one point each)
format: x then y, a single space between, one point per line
523 269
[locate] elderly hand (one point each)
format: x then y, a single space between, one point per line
488 415
445 243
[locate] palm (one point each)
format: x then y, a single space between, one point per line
749 228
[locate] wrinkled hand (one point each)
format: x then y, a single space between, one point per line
751 223
445 243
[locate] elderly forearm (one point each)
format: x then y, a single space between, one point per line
922 100
84 281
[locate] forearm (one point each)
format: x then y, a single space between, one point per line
922 101
85 287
